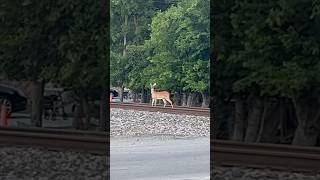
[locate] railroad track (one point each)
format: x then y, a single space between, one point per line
80 141
175 110
274 156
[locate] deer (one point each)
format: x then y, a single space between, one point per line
155 95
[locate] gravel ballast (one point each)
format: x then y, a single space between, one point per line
242 173
142 123
26 163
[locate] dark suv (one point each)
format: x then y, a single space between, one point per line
13 98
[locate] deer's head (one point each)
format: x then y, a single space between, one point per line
152 86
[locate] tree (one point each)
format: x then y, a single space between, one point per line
179 45
137 62
272 56
84 52
130 27
28 29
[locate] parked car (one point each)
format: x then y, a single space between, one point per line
115 99
13 98
58 102
114 93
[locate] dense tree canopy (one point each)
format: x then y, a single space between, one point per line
27 51
179 42
167 44
271 46
268 53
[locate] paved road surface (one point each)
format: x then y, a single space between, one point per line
156 158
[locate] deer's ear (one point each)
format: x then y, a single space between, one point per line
155 84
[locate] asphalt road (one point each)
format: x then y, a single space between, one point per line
158 158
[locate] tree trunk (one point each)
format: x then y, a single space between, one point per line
263 118
205 100
221 112
292 121
86 112
36 105
124 53
307 113
103 123
254 116
176 99
135 21
238 127
184 99
82 113
197 100
191 100
301 137
148 97
134 97
228 121
269 128
144 96
282 120
77 116
121 90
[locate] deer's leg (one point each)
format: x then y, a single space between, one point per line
170 102
164 102
152 102
155 102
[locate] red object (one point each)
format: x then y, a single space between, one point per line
4 116
111 97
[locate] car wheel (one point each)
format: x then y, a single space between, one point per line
7 104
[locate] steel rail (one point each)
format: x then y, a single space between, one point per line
175 110
260 155
52 139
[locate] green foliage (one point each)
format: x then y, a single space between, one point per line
118 71
60 41
194 72
274 47
137 62
83 46
179 43
129 28
165 42
28 29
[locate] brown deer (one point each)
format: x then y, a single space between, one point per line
164 95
